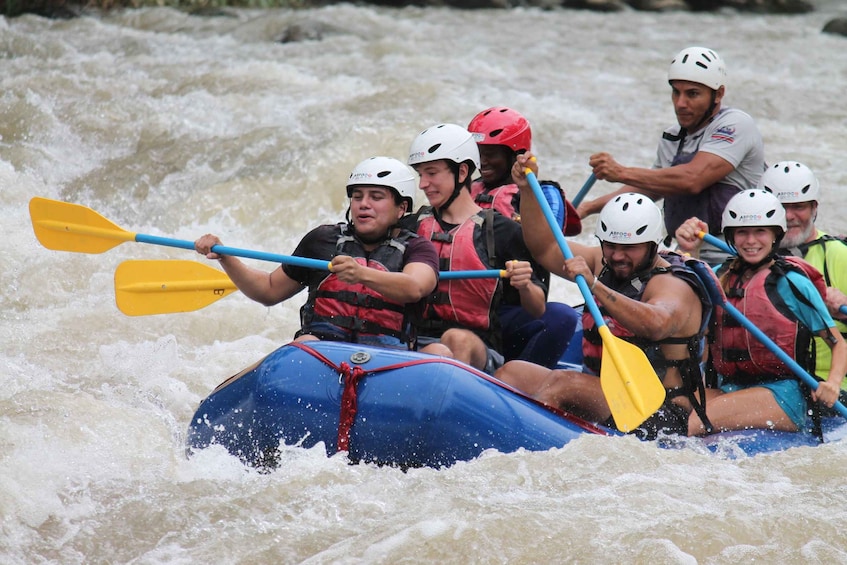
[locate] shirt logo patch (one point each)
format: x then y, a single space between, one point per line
724 134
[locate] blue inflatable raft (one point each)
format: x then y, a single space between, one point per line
397 408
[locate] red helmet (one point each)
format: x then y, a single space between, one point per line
501 126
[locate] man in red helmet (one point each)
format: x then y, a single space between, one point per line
501 135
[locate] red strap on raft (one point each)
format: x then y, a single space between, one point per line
349 403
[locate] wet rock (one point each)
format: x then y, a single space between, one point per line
660 5
837 26
770 6
596 5
308 30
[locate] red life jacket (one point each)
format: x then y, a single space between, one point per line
506 199
465 303
501 198
356 307
737 354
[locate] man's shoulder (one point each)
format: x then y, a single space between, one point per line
669 281
735 118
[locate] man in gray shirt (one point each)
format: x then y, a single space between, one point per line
713 153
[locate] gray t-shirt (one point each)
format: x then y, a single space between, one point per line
731 135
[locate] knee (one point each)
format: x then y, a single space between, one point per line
560 317
437 349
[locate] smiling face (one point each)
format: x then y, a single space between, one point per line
495 165
438 182
692 101
800 220
373 210
754 244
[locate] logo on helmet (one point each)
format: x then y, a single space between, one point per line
618 235
478 137
359 177
416 155
755 218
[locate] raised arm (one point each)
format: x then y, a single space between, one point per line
536 232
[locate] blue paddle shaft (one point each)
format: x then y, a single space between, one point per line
563 245
719 243
236 252
584 190
293 259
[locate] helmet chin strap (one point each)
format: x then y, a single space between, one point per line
707 117
456 190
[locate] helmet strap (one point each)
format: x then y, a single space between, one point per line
708 116
458 186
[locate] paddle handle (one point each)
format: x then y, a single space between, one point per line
584 190
719 243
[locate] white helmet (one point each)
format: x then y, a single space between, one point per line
752 208
791 182
630 218
387 172
700 65
444 141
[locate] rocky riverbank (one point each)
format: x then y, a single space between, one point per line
74 8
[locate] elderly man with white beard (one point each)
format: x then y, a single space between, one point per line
797 188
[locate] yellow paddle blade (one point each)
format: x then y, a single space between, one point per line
163 287
71 227
629 382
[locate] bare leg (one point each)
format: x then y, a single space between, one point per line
466 346
567 390
437 348
307 337
753 407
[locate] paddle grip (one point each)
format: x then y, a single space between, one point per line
719 243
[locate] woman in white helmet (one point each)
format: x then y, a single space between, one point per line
712 152
461 318
378 270
647 297
781 296
797 188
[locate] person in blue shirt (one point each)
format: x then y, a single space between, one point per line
782 296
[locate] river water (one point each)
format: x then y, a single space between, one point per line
176 126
